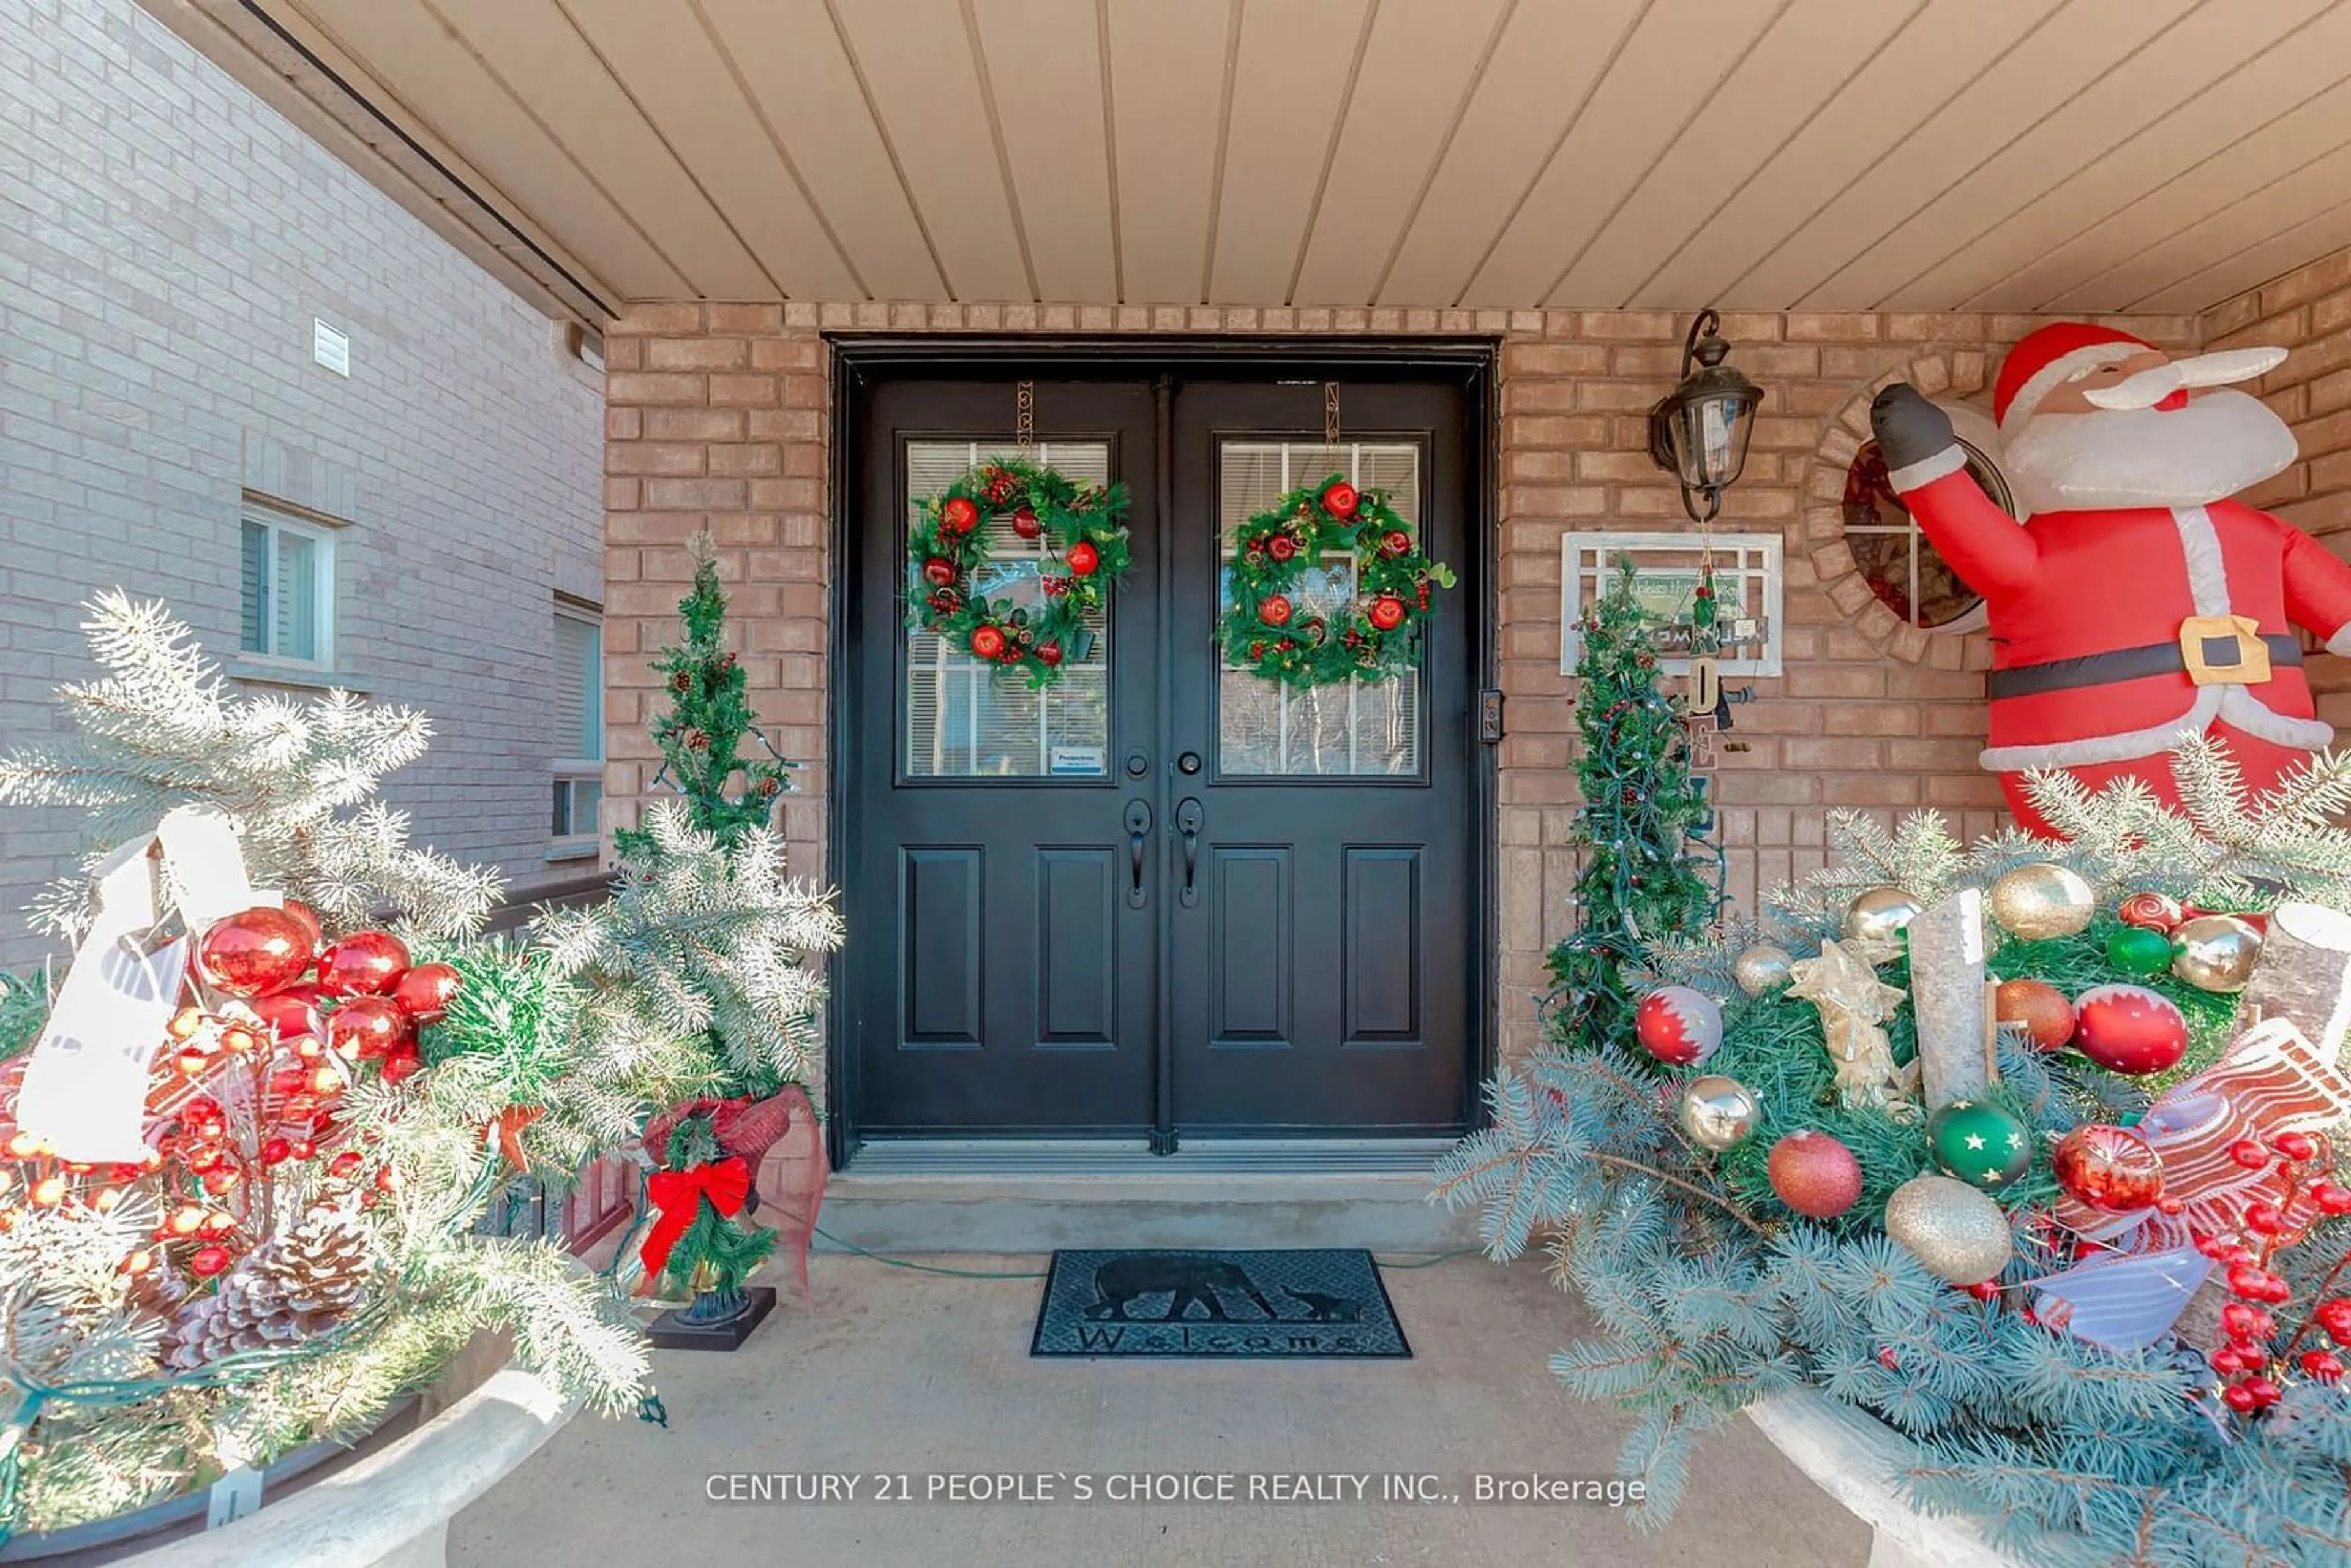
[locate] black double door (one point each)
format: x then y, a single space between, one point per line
1160 897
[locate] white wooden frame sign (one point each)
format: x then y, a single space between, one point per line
1747 585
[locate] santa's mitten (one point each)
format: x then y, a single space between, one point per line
1909 429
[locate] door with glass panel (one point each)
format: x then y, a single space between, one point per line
1323 949
1002 841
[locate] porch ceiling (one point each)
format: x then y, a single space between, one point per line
2075 155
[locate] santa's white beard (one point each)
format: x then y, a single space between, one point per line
2217 445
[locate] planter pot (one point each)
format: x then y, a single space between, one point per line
385 1502
1857 1460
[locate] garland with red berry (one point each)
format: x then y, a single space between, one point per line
1376 636
1085 539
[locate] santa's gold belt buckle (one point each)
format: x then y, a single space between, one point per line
2224 651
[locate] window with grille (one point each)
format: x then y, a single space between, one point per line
969 719
579 730
1365 726
286 597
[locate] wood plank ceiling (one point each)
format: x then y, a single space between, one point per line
2075 155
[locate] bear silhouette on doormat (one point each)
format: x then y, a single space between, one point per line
1204 1282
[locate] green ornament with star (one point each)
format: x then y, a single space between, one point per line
1982 1144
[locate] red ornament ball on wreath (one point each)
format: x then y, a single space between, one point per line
2037 1009
1025 524
988 642
1395 541
939 572
1387 613
1678 1026
1274 609
1814 1174
959 515
2109 1168
425 992
1048 654
259 950
367 1026
1083 559
2129 1029
1282 547
1341 500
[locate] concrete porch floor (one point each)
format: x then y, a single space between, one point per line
889 1370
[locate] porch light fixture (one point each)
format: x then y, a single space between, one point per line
1698 433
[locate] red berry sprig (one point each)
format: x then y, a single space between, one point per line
2248 1360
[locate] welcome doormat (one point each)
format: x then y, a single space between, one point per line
1308 1303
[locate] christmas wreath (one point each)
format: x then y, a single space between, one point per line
1086 540
1269 630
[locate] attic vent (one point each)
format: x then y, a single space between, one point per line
331 347
587 345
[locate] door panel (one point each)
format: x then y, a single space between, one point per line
1325 984
987 822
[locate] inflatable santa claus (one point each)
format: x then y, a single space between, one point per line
2137 604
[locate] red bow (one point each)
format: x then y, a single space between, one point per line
677 1199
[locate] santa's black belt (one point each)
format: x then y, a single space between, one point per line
2121 665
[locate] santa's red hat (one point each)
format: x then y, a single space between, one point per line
2046 359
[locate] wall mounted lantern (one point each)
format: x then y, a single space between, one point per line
1698 433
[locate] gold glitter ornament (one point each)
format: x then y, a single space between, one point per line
2040 900
1959 1234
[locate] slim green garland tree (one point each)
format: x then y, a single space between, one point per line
1649 875
709 714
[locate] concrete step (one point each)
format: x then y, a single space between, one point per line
939 1196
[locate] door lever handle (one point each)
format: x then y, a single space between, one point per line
1138 830
1188 818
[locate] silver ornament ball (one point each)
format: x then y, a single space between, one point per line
1879 914
1762 969
1959 1234
1718 1112
2041 901
2216 953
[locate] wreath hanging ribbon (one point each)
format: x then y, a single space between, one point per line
676 1197
1268 631
1086 546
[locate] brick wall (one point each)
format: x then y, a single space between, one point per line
2307 312
717 415
165 242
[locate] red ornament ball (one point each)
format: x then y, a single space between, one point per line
1274 609
939 572
1395 541
1814 1174
401 1064
2109 1168
1025 524
1083 559
367 1026
1678 1026
1387 613
309 917
2152 912
290 1015
1341 500
210 1260
2037 1009
1282 547
988 642
2129 1028
959 515
259 950
424 992
365 963
1048 654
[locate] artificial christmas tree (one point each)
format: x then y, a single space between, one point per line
704 939
1648 874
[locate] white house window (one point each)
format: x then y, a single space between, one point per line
580 721
288 590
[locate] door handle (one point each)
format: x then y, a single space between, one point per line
1188 817
1138 829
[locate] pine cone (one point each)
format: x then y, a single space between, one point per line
294 1286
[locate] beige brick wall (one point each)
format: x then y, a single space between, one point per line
717 413
2308 311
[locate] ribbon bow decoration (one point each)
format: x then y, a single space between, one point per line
676 1197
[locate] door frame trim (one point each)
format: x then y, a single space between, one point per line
861 359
